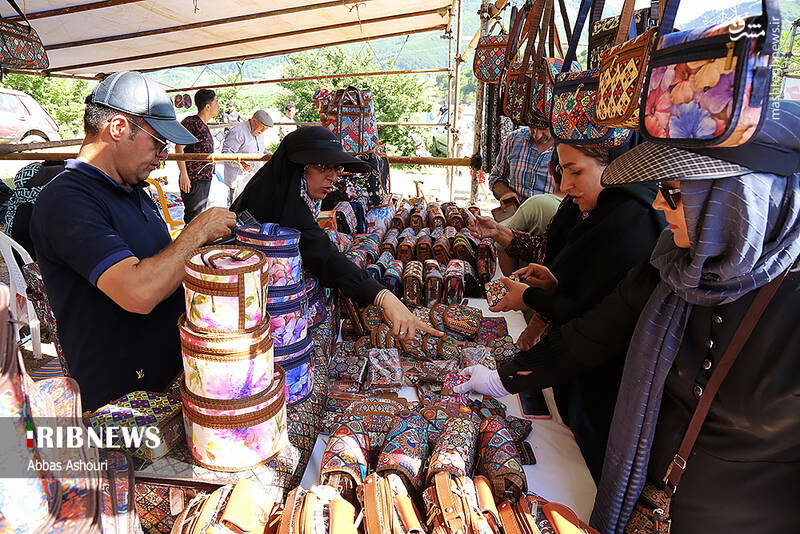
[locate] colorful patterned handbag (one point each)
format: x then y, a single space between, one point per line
454 282
479 355
492 328
486 260
406 252
412 284
621 75
499 460
350 114
434 283
390 241
346 218
405 449
574 99
454 451
513 80
436 216
424 249
441 250
141 409
392 278
21 46
603 32
345 461
490 55
709 87
401 217
379 217
464 320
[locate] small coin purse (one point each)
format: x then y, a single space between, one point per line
495 291
462 319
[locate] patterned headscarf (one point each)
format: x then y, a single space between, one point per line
744 232
314 205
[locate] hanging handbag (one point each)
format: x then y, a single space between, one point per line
512 82
350 114
602 33
651 513
710 87
574 100
621 75
22 48
490 54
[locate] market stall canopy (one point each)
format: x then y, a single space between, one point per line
87 38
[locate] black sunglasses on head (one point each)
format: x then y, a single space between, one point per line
671 196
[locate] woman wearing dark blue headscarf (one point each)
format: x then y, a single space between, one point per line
731 232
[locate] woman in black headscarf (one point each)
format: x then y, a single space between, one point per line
289 189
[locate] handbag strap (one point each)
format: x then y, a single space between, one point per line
19 12
627 23
583 11
754 313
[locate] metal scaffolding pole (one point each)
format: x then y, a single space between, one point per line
479 87
456 89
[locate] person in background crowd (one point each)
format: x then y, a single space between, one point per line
231 115
289 190
533 217
288 116
195 176
584 262
244 138
112 274
28 183
522 165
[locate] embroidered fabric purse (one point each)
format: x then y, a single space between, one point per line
406 252
496 290
503 349
392 278
486 261
434 283
405 449
437 416
345 364
454 282
390 241
492 328
345 218
463 248
499 460
345 461
602 33
490 55
351 116
424 247
418 217
435 216
385 372
372 316
477 356
453 216
401 218
472 285
464 320
450 381
436 370
441 250
710 87
379 217
412 284
621 75
21 46
454 452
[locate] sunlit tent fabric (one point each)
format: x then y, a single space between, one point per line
90 36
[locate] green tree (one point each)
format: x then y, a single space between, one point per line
398 98
61 98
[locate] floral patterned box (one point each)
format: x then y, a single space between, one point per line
226 366
225 289
281 246
239 434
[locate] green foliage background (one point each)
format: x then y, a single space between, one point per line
61 98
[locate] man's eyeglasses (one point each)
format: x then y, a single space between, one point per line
161 144
329 168
671 196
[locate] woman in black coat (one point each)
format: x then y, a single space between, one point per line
592 256
289 189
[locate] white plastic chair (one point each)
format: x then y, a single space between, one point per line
21 307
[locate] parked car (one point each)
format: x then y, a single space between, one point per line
23 120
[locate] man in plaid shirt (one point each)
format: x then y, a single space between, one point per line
522 165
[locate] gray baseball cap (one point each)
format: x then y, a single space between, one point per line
133 93
264 118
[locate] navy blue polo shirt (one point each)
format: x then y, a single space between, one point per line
83 223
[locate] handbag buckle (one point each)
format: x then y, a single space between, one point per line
679 462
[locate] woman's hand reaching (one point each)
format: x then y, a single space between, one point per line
404 323
482 227
538 276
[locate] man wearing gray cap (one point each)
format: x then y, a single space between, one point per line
247 137
112 274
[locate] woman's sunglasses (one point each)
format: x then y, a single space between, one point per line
671 196
329 168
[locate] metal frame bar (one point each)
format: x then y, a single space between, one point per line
72 9
246 40
302 78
